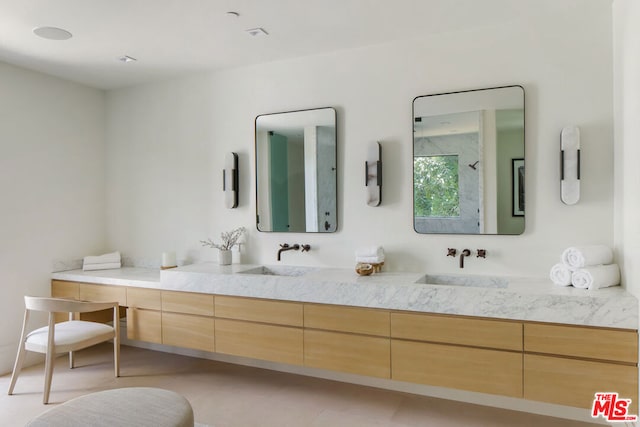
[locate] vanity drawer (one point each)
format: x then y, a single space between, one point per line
98 293
457 330
347 319
265 342
257 310
580 341
465 368
62 289
188 303
144 298
144 325
355 354
574 382
185 330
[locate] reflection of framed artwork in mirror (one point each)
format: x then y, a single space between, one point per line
517 181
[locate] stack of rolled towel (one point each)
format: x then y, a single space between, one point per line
586 267
102 262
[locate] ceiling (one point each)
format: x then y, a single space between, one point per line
171 37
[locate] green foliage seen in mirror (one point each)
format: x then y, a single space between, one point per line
436 186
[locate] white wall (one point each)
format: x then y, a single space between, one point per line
52 187
626 15
166 143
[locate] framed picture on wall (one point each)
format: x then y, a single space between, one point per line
517 186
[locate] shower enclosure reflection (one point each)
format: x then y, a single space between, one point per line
464 148
296 171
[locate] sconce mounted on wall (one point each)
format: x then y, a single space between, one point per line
570 165
373 174
230 180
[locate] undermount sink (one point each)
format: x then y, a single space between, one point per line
279 271
469 281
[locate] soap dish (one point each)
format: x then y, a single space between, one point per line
364 269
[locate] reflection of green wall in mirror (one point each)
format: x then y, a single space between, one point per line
509 146
296 171
278 182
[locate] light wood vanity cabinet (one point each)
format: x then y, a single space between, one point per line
347 339
180 319
89 292
144 316
567 365
450 351
187 320
260 329
553 363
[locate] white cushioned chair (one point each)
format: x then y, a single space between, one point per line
64 337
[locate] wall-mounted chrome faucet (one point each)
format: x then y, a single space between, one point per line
481 253
286 247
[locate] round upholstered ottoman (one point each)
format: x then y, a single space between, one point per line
135 406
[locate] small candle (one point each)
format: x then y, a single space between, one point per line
168 259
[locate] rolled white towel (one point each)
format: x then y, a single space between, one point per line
596 277
370 259
101 266
560 275
370 251
577 257
102 259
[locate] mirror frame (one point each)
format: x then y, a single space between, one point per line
333 227
413 147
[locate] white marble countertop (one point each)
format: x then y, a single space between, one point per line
504 297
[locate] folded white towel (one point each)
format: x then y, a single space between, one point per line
102 259
369 251
370 259
101 266
596 277
583 256
560 275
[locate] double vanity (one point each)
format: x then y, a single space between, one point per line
515 337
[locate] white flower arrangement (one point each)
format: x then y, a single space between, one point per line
229 239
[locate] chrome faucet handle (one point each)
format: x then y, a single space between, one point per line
305 248
451 252
284 245
482 253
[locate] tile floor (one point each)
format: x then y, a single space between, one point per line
225 395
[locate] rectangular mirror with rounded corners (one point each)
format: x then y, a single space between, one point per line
296 185
468 162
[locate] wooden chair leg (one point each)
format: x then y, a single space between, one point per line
116 341
48 368
116 357
17 367
51 351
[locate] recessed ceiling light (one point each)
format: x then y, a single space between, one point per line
52 33
127 58
257 32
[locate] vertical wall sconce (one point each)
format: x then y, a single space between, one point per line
230 180
373 174
570 165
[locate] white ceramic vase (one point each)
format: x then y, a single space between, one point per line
224 257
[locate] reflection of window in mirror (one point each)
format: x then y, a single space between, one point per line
436 186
